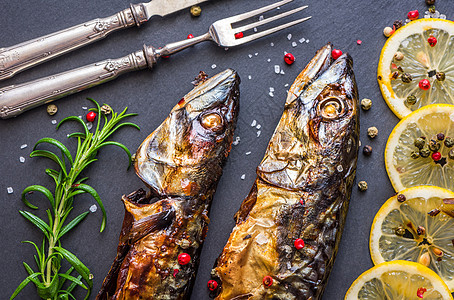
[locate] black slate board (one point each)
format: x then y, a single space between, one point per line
153 93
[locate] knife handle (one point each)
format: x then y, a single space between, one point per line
25 55
16 99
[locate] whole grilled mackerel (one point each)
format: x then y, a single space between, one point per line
181 162
302 191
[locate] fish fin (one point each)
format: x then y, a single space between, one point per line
145 226
247 205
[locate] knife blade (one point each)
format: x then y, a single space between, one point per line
28 54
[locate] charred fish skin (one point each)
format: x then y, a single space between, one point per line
181 162
302 191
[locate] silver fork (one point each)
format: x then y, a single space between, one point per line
16 99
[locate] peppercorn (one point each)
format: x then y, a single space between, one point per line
411 100
289 58
372 132
451 154
52 109
267 281
430 2
432 9
440 136
440 76
336 53
106 109
432 41
91 116
212 285
434 212
401 198
436 156
434 146
395 75
366 104
299 244
424 84
424 152
420 230
413 15
196 11
400 231
362 185
184 258
239 35
388 31
449 142
397 24
367 150
414 155
420 143
406 77
398 56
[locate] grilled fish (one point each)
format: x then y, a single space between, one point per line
181 162
288 228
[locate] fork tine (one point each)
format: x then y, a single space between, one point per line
252 13
270 19
269 31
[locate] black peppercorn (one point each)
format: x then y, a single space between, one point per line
367 150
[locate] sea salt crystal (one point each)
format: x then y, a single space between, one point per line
442 17
256 53
261 18
286 85
213 66
271 89
258 133
93 208
54 122
307 41
294 44
271 94
247 153
236 141
9 190
254 122
226 49
22 159
359 143
258 126
282 72
268 60
302 40
89 125
289 36
277 69
272 44
250 55
261 239
84 107
24 146
249 77
243 176
255 29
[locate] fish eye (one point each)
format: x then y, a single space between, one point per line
331 108
212 121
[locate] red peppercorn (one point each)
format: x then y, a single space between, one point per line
175 272
212 285
289 58
432 41
267 281
299 244
420 292
359 42
190 36
436 156
336 53
424 84
184 259
91 116
413 15
239 35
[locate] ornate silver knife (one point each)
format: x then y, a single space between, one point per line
25 55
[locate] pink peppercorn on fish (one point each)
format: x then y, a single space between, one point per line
181 162
288 228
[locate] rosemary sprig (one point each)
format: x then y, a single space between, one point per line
48 279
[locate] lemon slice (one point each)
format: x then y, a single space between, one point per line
405 171
405 230
421 61
398 280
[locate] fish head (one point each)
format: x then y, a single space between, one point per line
320 123
185 154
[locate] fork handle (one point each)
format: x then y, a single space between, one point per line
16 99
25 55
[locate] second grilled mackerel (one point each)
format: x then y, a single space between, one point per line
288 228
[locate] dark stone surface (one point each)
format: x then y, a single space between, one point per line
153 93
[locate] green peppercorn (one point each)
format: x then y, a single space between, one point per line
432 9
434 146
196 11
362 185
400 231
414 155
440 136
420 143
406 77
449 142
411 100
440 76
424 152
451 154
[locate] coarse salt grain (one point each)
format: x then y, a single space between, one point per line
271 89
261 18
89 125
258 133
249 77
282 72
286 85
54 122
272 44
268 60
243 176
254 122
9 190
24 146
247 153
289 36
93 208
271 94
294 44
255 29
277 69
258 126
307 41
22 159
213 66
302 40
261 239
256 53
84 107
250 55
